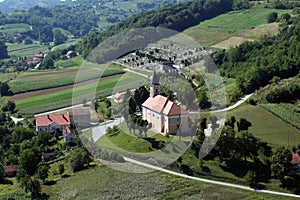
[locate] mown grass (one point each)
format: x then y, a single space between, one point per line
102 182
267 126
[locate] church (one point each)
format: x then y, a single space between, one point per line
165 116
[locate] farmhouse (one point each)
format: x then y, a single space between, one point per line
296 162
165 116
11 170
118 97
52 123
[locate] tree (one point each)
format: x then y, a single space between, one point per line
42 172
4 89
272 17
243 125
230 122
79 159
61 169
240 4
46 34
29 160
9 107
281 162
203 99
3 50
251 178
47 63
59 37
132 106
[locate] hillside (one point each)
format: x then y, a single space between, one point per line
13 5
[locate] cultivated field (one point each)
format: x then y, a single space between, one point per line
234 27
62 98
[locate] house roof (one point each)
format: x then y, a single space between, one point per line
11 168
79 111
39 55
161 104
46 120
70 52
118 96
295 159
66 132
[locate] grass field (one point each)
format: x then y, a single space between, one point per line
26 50
102 182
266 126
287 112
14 28
239 24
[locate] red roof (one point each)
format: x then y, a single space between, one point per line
66 131
39 55
46 120
161 104
11 168
79 111
118 96
296 159
70 53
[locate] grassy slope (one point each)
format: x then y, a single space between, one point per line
266 126
230 24
105 183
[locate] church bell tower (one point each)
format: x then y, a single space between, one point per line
155 86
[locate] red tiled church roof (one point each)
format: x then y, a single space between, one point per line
46 120
295 159
161 104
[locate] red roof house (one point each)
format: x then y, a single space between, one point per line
295 159
11 170
51 123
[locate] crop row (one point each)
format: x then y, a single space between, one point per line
287 112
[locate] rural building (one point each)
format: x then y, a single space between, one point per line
296 164
71 54
118 97
68 134
80 117
11 170
53 122
165 116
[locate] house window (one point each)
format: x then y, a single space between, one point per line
157 117
153 115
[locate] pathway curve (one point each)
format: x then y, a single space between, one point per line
242 100
207 180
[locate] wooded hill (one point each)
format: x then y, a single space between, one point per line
177 17
256 64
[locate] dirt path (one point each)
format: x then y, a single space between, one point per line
57 89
